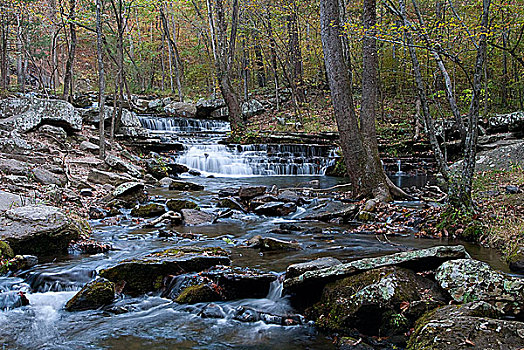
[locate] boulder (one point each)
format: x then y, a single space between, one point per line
179 204
417 260
19 262
130 191
289 196
10 200
14 167
231 203
176 169
142 275
295 270
148 210
506 122
14 144
6 252
93 295
251 108
198 294
374 302
331 210
193 217
468 326
45 177
204 107
272 244
39 230
55 132
89 147
248 192
276 209
181 109
105 177
165 181
472 280
176 185
228 192
25 114
121 165
156 168
221 114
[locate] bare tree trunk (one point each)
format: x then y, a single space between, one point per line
272 46
173 52
20 71
365 170
259 61
295 54
68 77
4 41
101 79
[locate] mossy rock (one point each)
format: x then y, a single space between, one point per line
471 325
372 302
185 186
93 295
198 294
148 210
178 204
5 251
149 273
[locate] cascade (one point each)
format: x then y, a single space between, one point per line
202 151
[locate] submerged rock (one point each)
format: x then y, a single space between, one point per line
39 230
375 302
193 217
472 280
93 295
466 326
147 274
176 185
423 259
232 203
272 244
276 209
179 204
12 300
148 210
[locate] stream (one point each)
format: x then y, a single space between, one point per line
154 322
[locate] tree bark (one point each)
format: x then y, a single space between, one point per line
101 79
68 77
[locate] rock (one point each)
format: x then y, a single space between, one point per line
170 217
371 301
212 311
272 244
181 109
22 262
248 192
331 210
105 177
263 199
205 108
289 196
12 300
231 203
472 280
45 177
90 147
39 230
86 192
10 200
55 132
248 314
517 266
506 122
25 114
14 144
13 167
465 326
179 204
156 168
148 210
295 270
121 165
165 181
228 192
252 108
417 260
185 186
6 252
130 191
500 157
147 274
155 104
176 169
198 294
276 209
240 283
85 246
193 217
93 295
350 343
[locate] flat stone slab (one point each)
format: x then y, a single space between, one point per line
418 260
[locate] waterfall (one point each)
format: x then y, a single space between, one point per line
204 153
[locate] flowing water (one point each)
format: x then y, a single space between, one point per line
156 322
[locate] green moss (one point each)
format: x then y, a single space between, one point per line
179 204
5 251
148 210
93 295
197 294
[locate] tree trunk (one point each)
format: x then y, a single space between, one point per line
364 168
68 77
295 54
173 52
101 79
